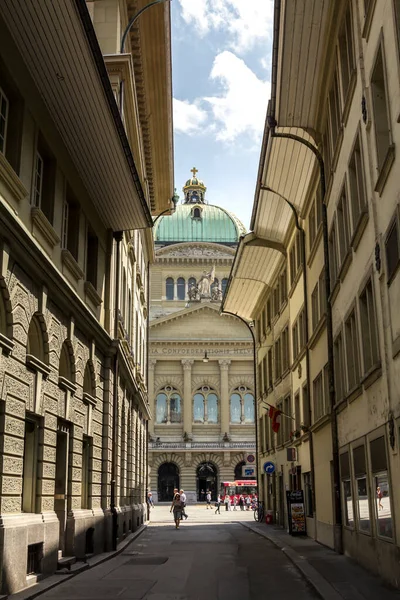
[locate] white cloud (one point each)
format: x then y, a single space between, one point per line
242 104
247 22
188 118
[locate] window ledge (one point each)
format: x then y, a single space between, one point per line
315 244
71 264
298 358
44 226
11 179
92 293
359 228
349 97
372 375
317 331
344 267
320 422
88 399
6 344
295 281
354 393
35 364
66 385
385 169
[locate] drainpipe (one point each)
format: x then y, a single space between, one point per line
253 337
118 238
306 313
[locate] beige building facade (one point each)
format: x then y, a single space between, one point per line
321 269
201 384
77 196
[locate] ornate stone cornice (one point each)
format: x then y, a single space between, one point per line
187 364
224 364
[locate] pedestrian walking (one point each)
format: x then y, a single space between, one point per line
379 495
150 500
218 505
183 500
176 507
241 502
235 501
208 499
248 502
226 501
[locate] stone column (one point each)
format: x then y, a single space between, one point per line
150 394
187 396
225 417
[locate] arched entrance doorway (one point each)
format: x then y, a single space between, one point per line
239 471
207 480
168 479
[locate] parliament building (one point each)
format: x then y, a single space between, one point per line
201 385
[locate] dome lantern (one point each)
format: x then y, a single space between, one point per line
194 190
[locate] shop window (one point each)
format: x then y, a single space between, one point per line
380 478
346 490
362 500
380 109
369 336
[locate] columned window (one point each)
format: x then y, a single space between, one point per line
242 409
205 405
168 406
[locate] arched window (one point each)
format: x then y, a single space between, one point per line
192 281
242 409
236 408
249 408
168 406
169 288
224 284
66 367
205 405
198 408
35 345
181 288
89 380
196 214
161 408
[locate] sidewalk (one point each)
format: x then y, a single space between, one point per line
334 576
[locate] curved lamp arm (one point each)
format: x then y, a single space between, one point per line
133 19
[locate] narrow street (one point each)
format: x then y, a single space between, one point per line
209 557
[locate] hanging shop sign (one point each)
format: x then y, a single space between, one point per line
296 513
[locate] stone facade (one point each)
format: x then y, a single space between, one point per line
73 304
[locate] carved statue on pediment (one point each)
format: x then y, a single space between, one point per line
205 282
193 292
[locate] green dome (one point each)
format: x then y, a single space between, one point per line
215 225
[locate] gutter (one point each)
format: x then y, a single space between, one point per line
112 104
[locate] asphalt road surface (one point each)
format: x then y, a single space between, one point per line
211 557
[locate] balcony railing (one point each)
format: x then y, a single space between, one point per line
201 445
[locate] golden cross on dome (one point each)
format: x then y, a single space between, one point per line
194 171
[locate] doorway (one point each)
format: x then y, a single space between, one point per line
168 479
61 483
207 480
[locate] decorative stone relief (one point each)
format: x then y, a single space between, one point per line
194 251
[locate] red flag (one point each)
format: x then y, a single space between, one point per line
276 421
272 411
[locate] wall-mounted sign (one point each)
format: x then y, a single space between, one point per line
250 458
296 514
290 454
269 467
248 472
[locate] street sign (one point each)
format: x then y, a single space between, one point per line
248 471
269 467
250 459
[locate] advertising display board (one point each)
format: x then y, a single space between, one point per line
296 513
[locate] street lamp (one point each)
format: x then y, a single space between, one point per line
134 18
205 358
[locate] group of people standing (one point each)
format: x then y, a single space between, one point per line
238 500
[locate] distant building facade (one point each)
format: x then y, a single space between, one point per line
201 387
77 196
323 284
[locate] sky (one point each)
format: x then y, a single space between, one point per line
221 52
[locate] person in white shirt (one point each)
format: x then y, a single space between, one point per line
208 500
183 500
